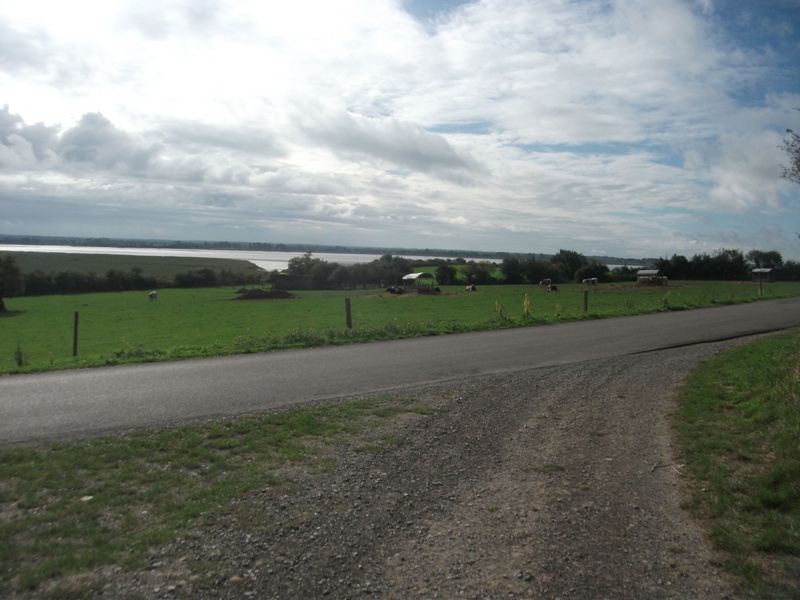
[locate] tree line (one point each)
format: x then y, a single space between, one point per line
563 267
13 282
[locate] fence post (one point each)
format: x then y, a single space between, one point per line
585 300
347 312
75 336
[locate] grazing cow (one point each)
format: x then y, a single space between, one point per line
471 288
552 288
546 282
153 296
590 281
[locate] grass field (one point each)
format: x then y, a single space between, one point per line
151 266
739 433
113 328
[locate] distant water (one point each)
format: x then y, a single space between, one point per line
268 261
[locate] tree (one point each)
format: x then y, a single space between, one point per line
11 282
512 270
302 265
594 269
675 268
791 145
570 262
479 273
341 278
446 274
536 270
761 259
321 273
727 264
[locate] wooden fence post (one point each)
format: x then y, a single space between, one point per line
585 300
75 336
347 312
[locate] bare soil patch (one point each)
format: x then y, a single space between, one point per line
256 294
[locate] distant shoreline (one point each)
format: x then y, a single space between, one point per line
37 240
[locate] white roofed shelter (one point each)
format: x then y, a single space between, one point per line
419 281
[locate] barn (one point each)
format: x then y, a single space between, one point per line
419 282
763 274
650 277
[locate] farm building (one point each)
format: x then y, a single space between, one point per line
650 277
421 282
763 274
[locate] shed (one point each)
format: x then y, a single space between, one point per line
650 277
763 274
419 281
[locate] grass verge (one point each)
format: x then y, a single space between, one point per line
67 509
739 429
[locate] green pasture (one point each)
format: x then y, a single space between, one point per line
151 266
37 332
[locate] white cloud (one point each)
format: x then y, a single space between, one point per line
627 127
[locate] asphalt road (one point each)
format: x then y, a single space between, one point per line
89 402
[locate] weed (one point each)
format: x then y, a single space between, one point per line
19 357
500 311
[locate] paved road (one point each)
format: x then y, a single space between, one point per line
94 401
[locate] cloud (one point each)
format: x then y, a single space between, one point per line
243 137
620 126
23 50
392 142
96 142
25 147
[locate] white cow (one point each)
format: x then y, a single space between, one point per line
153 296
590 281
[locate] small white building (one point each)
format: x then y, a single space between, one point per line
421 282
763 274
650 277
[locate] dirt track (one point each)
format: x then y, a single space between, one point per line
549 483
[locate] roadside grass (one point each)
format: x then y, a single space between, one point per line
123 327
67 509
739 429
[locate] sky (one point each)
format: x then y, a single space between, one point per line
626 128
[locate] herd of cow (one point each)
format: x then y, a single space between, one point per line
545 283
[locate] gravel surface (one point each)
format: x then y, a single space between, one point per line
549 483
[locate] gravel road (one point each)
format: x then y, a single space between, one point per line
559 482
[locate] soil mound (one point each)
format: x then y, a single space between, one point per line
264 295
